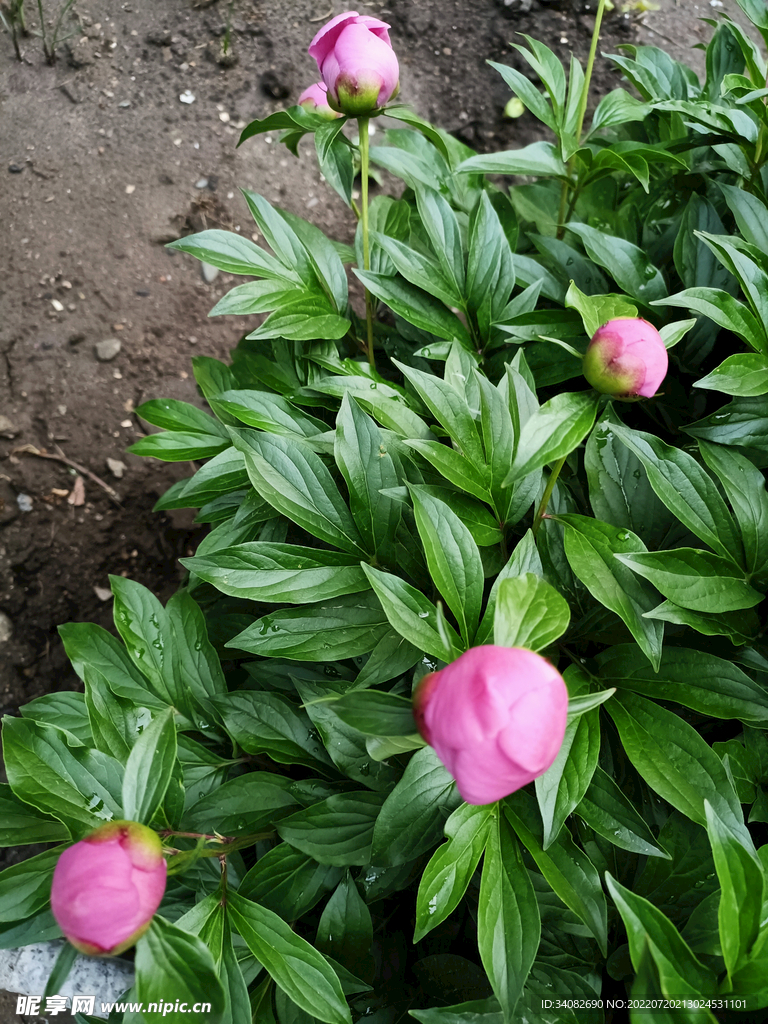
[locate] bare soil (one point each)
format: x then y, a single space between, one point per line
101 163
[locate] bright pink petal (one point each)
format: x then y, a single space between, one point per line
326 38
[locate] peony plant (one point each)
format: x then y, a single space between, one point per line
461 714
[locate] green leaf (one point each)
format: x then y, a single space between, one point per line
342 627
508 922
674 759
560 789
269 723
413 615
345 929
553 432
244 805
149 768
262 571
570 873
416 306
457 469
627 264
750 213
528 93
170 414
591 549
79 786
724 310
234 254
744 485
686 489
400 113
344 743
413 815
449 407
368 467
742 422
375 713
740 873
294 965
618 108
25 888
539 158
336 831
737 626
607 811
694 579
173 965
288 882
680 973
296 482
145 628
696 679
64 711
22 825
452 557
269 412
619 492
378 399
179 446
529 613
752 277
744 375
595 310
448 873
441 225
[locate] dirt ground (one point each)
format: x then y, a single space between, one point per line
101 163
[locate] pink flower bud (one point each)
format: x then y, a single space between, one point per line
495 718
107 887
315 99
626 359
356 62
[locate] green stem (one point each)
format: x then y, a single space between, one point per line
561 221
362 123
537 519
590 65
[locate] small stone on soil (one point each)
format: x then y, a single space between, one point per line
6 628
15 168
102 593
24 502
187 97
107 350
209 273
116 468
7 428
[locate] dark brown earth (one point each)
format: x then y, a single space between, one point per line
100 164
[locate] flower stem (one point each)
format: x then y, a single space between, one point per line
562 216
537 519
363 128
588 73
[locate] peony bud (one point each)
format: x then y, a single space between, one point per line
626 359
107 887
315 99
356 62
495 718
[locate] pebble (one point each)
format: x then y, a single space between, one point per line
116 468
209 273
7 428
187 97
107 350
24 502
15 168
102 593
6 628
201 183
